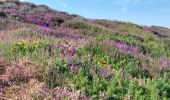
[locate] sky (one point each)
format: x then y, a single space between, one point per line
142 12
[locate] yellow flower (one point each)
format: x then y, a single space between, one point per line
114 70
87 56
102 63
18 43
35 44
22 44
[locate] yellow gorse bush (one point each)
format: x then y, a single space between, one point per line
30 46
35 44
22 45
102 63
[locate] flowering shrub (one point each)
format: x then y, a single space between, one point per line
48 30
164 63
24 46
36 20
125 47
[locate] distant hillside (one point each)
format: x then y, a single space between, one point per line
45 16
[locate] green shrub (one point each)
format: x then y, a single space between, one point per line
29 47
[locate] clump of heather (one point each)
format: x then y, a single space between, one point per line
125 47
48 30
163 62
72 52
65 94
107 73
36 20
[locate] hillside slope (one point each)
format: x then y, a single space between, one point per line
48 54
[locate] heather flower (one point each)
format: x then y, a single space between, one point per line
54 47
13 11
110 77
75 69
126 47
65 51
103 73
48 17
106 73
164 63
72 52
91 56
48 30
34 19
58 35
61 94
144 66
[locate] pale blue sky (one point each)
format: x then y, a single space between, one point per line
143 12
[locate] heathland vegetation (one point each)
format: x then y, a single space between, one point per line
47 54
